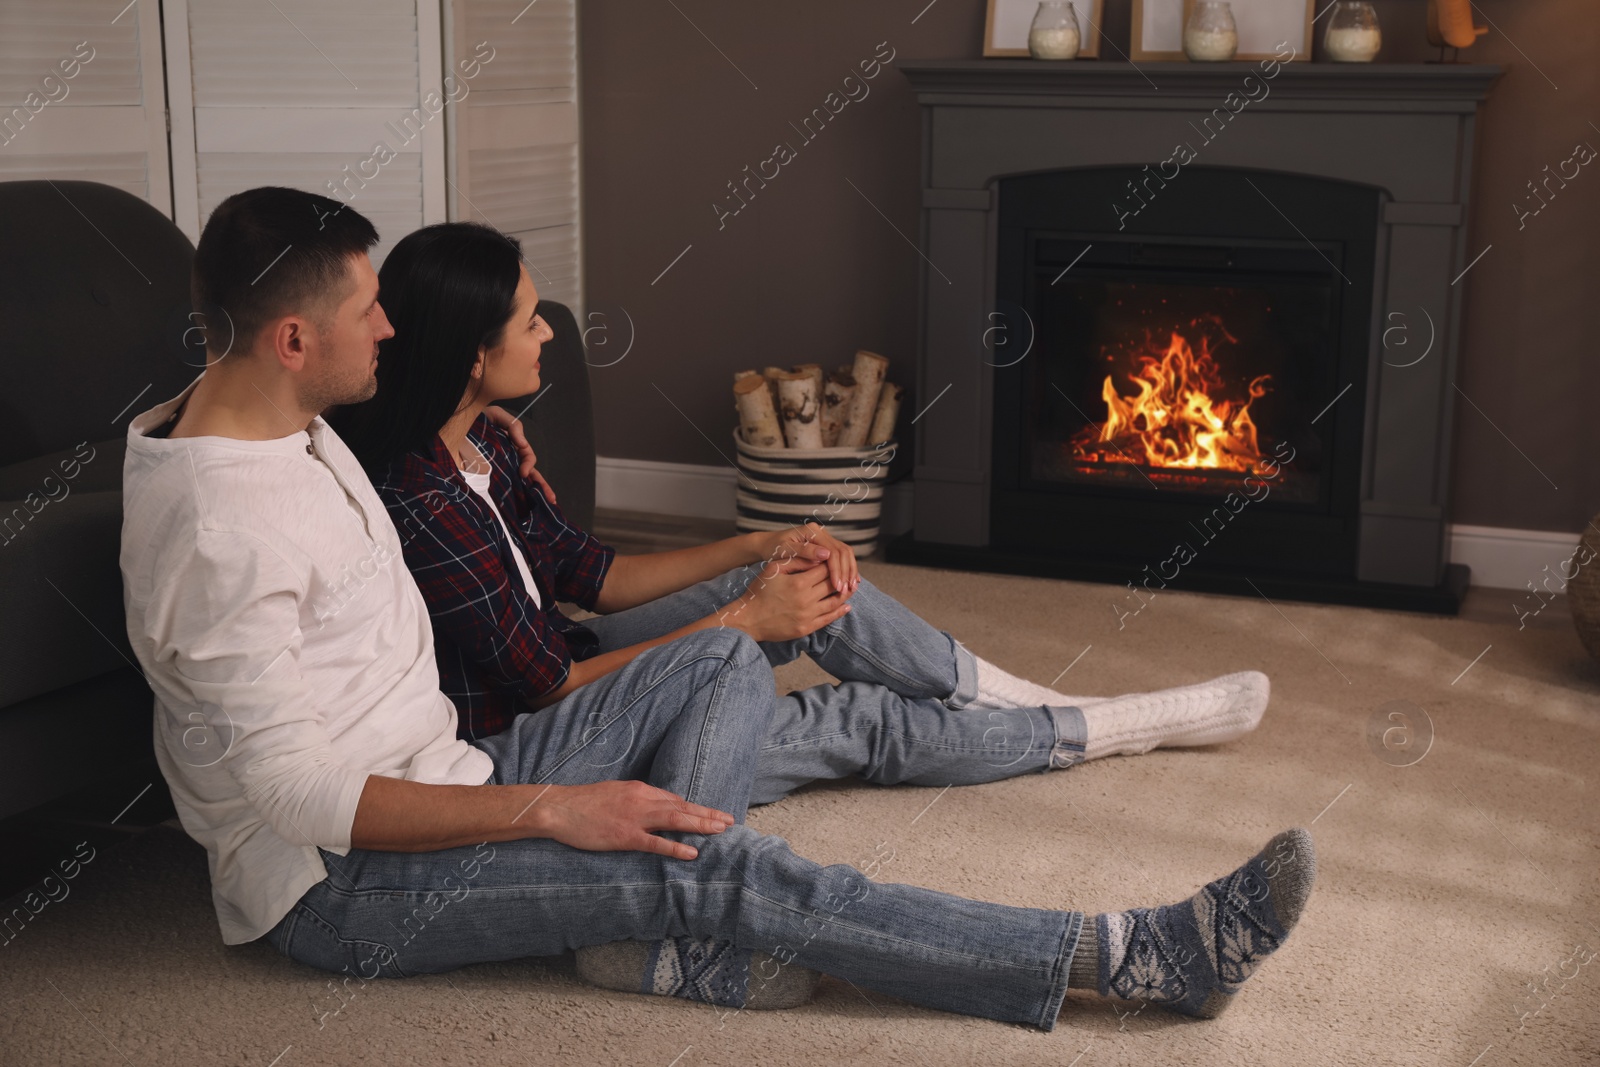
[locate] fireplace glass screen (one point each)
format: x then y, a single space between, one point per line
1177 370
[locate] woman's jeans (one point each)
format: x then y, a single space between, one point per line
896 715
686 717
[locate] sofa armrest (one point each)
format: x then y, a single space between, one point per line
61 611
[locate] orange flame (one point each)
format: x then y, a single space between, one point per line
1173 420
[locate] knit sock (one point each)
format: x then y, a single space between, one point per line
998 689
1193 956
703 969
1220 710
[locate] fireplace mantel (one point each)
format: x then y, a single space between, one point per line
1404 129
1434 86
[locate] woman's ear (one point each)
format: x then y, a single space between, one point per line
477 367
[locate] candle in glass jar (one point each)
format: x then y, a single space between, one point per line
1353 35
1209 34
1353 44
1210 45
1053 34
1060 42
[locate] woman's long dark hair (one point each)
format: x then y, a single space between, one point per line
446 289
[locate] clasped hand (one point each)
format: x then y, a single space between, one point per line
811 545
786 600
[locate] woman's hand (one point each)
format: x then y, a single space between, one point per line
619 817
785 601
814 544
513 426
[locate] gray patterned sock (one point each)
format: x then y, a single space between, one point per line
1085 970
1193 956
703 969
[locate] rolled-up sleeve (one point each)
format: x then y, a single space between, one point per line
581 561
228 626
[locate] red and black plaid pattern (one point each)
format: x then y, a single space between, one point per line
497 650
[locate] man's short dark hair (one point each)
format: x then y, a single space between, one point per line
269 252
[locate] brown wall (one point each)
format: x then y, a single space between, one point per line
809 271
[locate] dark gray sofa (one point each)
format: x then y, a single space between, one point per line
94 314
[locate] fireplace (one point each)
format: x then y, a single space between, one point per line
1131 370
1146 376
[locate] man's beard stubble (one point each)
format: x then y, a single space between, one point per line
337 391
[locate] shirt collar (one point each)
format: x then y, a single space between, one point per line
140 426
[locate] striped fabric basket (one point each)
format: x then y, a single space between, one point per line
841 488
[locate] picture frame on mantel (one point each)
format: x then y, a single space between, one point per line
1263 24
1006 28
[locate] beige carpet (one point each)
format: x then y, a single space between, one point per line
1446 886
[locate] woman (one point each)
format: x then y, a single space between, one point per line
492 555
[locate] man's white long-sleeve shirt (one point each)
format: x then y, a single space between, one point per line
288 647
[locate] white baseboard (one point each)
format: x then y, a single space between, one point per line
1504 558
1500 557
664 488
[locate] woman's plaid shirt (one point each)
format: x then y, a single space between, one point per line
497 650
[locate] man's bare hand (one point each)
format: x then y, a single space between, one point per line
622 817
395 815
513 426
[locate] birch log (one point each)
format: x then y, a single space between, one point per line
836 393
771 375
869 371
758 419
800 409
813 369
741 375
887 415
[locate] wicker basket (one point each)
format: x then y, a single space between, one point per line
1583 591
841 488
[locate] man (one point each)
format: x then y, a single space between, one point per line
300 726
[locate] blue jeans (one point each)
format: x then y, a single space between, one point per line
684 716
895 716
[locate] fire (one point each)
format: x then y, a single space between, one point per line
1175 419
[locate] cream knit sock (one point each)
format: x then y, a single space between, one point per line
1212 712
998 689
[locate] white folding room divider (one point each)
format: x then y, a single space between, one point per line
409 112
341 99
82 96
514 155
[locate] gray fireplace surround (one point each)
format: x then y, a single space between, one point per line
1405 129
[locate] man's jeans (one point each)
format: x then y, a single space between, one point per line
896 715
684 716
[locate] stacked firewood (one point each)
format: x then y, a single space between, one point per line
852 407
